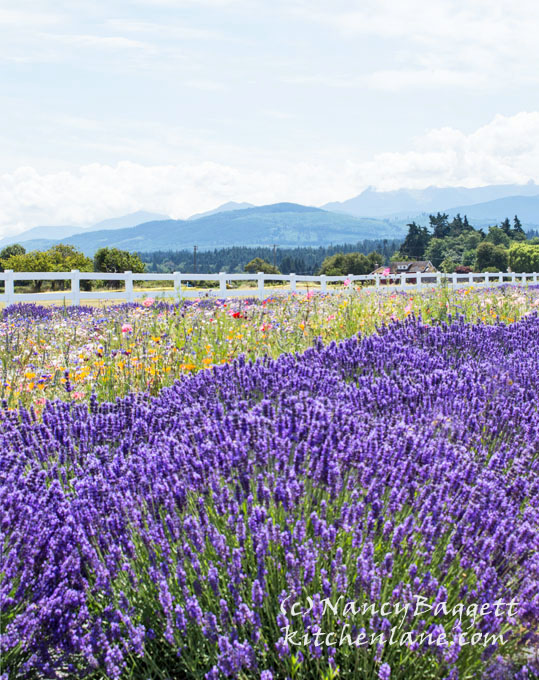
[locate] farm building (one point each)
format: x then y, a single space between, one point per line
412 267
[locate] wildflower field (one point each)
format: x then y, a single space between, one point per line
311 487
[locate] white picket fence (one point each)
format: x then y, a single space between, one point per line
181 284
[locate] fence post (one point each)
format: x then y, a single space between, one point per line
454 279
292 283
178 284
75 287
222 284
487 277
129 286
260 277
9 288
535 277
323 284
377 280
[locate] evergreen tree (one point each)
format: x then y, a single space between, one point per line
505 226
416 242
517 232
457 226
440 225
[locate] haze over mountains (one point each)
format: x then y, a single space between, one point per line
226 207
54 233
410 202
370 215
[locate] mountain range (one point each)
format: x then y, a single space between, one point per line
56 233
403 203
287 224
370 215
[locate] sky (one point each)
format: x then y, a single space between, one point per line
176 106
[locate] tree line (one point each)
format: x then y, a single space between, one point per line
299 260
339 264
455 245
64 258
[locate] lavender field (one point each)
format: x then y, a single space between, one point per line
363 508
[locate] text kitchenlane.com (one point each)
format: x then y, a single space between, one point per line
464 619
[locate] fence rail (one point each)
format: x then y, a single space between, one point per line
399 281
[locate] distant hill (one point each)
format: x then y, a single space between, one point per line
287 224
526 207
40 233
50 234
226 207
126 221
409 202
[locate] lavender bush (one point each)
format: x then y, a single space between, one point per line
179 536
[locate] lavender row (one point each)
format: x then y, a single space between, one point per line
181 536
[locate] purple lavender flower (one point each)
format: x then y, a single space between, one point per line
384 673
394 466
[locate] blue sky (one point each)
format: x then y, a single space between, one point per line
178 105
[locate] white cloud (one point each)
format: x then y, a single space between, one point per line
24 18
92 41
395 80
460 40
179 4
174 30
206 85
278 115
504 150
